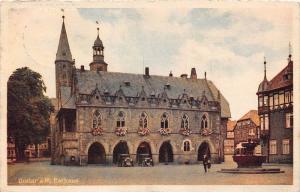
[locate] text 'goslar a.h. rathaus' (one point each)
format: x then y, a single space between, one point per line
102 115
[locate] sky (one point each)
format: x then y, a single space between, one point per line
229 44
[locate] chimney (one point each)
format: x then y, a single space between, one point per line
147 71
184 76
193 73
82 68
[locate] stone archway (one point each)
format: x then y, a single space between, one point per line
96 154
143 149
202 150
120 148
166 152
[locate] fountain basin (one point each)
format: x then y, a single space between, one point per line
248 161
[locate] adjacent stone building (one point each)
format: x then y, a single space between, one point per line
102 114
275 109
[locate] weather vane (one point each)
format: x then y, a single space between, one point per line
290 48
63 13
98 26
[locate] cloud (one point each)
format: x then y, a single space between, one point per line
229 44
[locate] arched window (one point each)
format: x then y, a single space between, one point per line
143 123
121 119
186 146
164 121
97 122
204 122
185 122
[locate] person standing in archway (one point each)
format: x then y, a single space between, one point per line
205 162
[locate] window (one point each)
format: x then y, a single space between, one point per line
251 132
287 97
164 121
204 122
97 119
273 147
185 122
260 101
271 102
265 100
285 146
121 119
266 122
186 146
289 120
143 123
281 98
261 122
275 101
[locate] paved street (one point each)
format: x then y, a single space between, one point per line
44 174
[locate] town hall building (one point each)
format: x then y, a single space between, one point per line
101 114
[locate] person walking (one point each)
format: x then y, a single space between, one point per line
205 162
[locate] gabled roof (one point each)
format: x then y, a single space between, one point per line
279 81
230 125
252 115
153 84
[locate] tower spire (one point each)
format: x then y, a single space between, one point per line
98 63
63 51
290 52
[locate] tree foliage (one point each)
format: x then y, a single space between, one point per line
28 109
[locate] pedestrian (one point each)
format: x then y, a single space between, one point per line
205 162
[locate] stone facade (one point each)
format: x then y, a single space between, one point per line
101 115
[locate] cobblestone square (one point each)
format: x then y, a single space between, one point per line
42 173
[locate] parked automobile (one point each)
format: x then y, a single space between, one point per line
125 160
145 160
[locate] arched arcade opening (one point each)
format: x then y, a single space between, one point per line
96 154
202 150
120 148
143 150
166 152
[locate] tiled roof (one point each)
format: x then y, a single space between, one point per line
253 115
278 81
87 82
231 125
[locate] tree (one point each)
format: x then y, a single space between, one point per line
28 110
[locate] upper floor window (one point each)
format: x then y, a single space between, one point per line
266 122
289 120
143 122
204 122
186 146
260 101
281 98
164 121
276 100
271 102
121 119
251 132
97 122
185 122
273 147
265 100
287 97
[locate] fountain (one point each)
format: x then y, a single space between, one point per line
248 162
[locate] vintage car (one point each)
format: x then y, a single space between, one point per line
125 160
145 160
